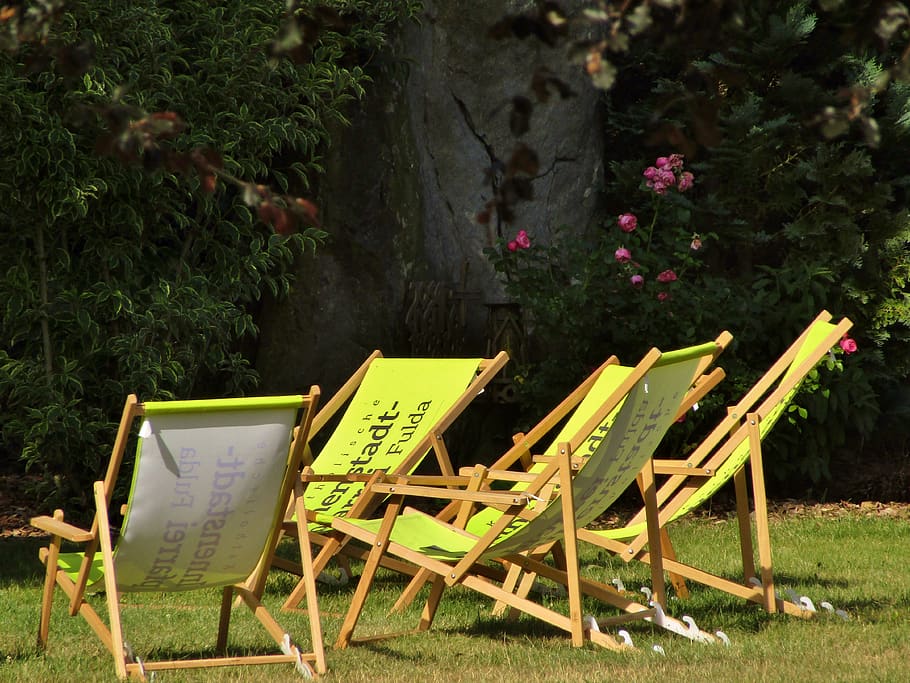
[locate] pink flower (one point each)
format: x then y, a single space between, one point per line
671 162
663 296
522 239
696 242
848 345
686 180
628 222
513 245
659 179
623 255
637 281
666 276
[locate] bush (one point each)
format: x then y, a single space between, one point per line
796 207
118 279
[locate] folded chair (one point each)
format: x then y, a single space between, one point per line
721 457
210 484
560 498
572 414
395 412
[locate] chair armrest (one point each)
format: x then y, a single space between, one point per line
307 477
577 461
502 475
60 528
681 467
485 497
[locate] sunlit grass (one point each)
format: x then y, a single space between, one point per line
857 562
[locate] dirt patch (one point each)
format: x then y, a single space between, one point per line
16 507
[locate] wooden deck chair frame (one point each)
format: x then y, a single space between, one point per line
649 398
601 382
281 414
457 381
721 457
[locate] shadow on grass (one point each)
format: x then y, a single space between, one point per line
19 561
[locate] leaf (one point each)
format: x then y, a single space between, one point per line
523 160
520 115
604 76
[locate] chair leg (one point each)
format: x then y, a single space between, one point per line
224 619
413 588
50 581
380 543
678 581
438 585
512 580
570 545
745 526
524 590
761 513
345 635
309 575
655 540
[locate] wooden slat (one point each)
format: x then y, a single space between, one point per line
58 527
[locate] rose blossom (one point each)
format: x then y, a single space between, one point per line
663 296
686 180
628 222
623 255
637 281
848 344
513 245
666 276
522 239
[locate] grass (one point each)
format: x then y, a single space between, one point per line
856 559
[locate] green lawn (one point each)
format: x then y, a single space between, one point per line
857 559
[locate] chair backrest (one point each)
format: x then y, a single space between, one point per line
610 377
779 385
206 493
659 384
389 421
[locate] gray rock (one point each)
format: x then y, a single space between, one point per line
404 185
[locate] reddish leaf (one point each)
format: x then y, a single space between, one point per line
520 115
524 160
309 210
283 222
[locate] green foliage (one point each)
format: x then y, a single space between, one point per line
117 280
795 209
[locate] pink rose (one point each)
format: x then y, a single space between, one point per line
659 179
637 281
696 243
522 239
623 255
666 276
686 180
675 161
628 222
848 345
663 296
513 245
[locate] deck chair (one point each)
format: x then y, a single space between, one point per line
720 458
572 413
556 501
209 487
396 411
